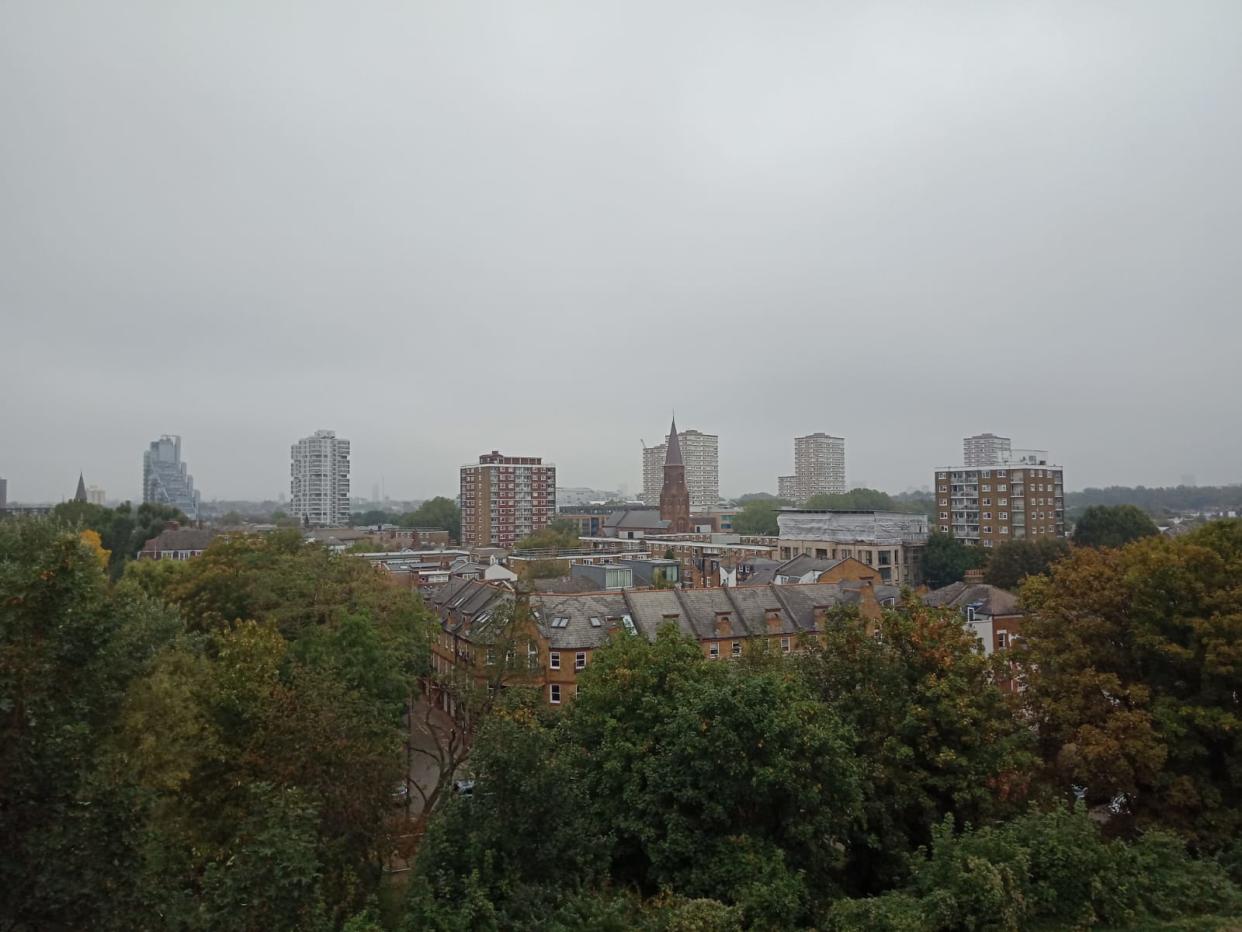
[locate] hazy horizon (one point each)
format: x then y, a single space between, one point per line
445 229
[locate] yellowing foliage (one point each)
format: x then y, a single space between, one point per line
93 543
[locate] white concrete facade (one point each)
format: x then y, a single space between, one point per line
319 480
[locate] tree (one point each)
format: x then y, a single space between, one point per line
1134 679
933 733
122 530
438 512
375 516
758 516
853 500
1115 526
1014 560
69 648
947 559
727 781
561 534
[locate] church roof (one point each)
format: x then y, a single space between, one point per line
673 456
80 495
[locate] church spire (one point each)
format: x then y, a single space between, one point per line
673 456
674 496
80 495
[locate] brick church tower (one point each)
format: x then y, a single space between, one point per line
675 497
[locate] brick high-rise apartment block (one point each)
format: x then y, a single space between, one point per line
319 480
701 455
506 498
987 506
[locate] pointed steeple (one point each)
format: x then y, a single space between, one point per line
80 495
673 456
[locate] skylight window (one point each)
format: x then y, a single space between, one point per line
560 621
595 622
628 623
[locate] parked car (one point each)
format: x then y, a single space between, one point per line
401 793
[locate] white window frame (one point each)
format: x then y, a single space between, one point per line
580 660
554 659
554 693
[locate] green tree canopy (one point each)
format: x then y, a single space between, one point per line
1112 526
947 559
1014 560
122 530
853 500
933 733
758 516
561 534
438 512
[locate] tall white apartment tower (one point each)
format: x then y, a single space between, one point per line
819 465
319 483
701 454
986 450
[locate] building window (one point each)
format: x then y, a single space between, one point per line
580 660
554 659
1001 486
1004 528
1004 501
1004 515
713 650
737 648
1002 640
784 645
987 487
987 501
554 693
490 657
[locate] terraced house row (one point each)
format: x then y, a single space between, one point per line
553 636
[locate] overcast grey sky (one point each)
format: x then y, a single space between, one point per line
443 228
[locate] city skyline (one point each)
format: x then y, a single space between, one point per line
578 206
114 479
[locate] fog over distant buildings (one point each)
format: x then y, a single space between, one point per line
443 229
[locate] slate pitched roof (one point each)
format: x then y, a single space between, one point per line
987 600
565 619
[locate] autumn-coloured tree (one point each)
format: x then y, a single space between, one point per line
1133 664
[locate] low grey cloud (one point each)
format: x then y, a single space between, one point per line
440 229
